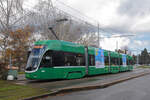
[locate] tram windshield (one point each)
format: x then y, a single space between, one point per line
34 58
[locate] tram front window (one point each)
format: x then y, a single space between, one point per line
34 58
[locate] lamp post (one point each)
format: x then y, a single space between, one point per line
98 36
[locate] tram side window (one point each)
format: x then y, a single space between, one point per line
114 61
47 59
91 60
106 60
58 58
128 63
80 60
121 61
131 62
117 61
70 59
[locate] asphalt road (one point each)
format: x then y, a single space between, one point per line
136 89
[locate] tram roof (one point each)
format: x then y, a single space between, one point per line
60 45
66 46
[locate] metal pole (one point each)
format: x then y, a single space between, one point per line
86 59
117 45
98 37
53 32
10 62
137 59
109 62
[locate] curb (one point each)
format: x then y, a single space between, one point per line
89 87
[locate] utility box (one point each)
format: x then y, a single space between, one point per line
12 73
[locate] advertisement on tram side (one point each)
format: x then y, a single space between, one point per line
99 58
124 60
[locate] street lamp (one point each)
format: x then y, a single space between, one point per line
51 28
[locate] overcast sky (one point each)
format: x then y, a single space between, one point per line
119 16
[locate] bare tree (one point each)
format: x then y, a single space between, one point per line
126 49
11 13
89 40
45 16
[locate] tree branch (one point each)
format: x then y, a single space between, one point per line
2 7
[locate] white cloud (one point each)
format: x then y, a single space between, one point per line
139 44
142 25
134 7
114 43
119 16
100 10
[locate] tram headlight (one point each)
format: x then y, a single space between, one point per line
42 71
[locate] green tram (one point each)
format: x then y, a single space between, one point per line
54 59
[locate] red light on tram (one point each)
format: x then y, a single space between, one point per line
38 46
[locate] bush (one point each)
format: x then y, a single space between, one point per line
3 71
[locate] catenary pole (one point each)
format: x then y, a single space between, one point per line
98 36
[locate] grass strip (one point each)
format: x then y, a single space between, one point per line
143 66
11 91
